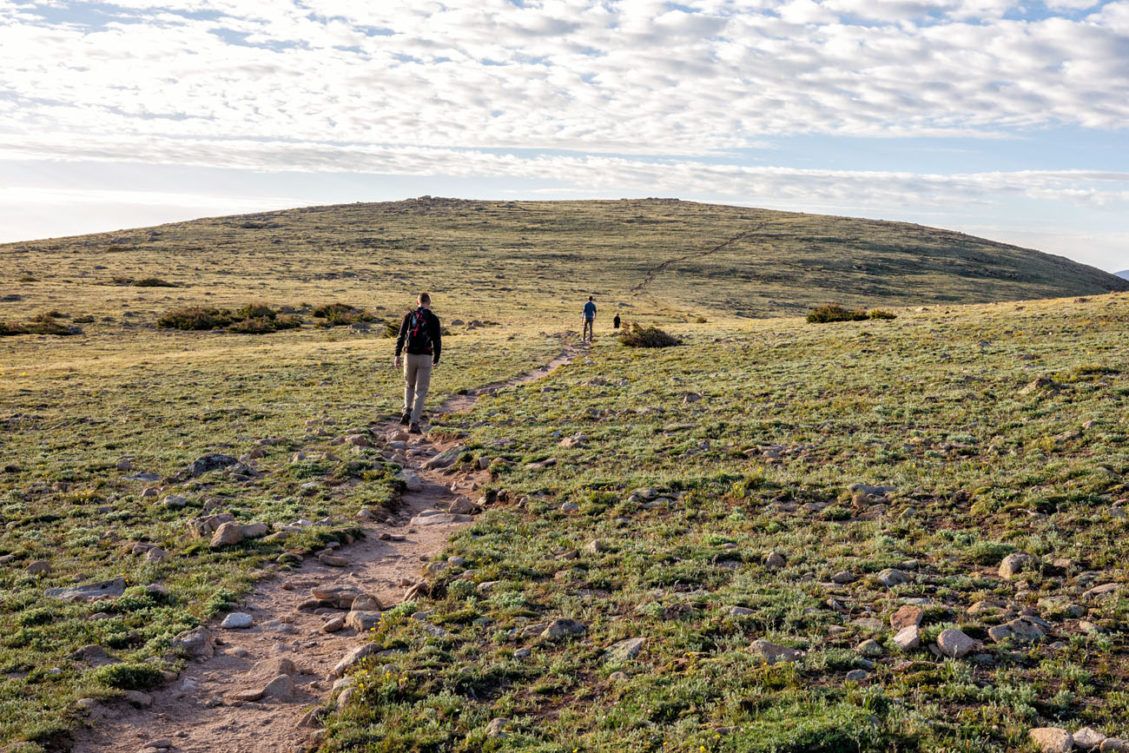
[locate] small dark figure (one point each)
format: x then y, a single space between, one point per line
615 322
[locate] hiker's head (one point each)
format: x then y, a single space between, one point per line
423 299
589 297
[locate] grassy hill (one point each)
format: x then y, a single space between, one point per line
514 260
995 426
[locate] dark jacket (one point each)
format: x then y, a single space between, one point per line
431 345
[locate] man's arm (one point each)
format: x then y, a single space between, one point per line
403 335
436 338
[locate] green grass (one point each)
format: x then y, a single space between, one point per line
790 416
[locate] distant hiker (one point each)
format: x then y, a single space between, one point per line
589 319
615 322
421 334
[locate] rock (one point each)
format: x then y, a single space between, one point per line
94 655
367 603
206 525
773 653
138 699
541 465
411 481
334 625
159 744
354 656
1099 592
358 440
906 616
205 464
775 561
857 675
625 649
1115 745
569 507
444 459
107 589
956 644
362 621
562 628
1015 563
255 530
1039 385
497 728
595 546
442 519
891 577
333 560
151 493
155 555
908 638
237 621
228 534
870 648
1051 739
740 611
462 506
1022 629
1088 738
175 502
38 567
198 643
842 577
280 688
125 464
576 440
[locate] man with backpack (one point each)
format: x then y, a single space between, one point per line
420 335
589 319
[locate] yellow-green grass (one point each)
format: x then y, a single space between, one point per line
1002 429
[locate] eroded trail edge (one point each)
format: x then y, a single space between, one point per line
263 689
662 267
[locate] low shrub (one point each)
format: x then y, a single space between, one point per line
881 314
196 318
341 315
250 319
833 312
153 282
129 676
638 336
263 325
43 324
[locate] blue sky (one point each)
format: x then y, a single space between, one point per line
1000 118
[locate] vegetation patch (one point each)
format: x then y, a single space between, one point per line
42 324
635 335
254 319
341 315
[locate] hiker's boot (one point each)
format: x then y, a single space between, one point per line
406 419
414 429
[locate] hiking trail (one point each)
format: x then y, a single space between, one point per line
199 712
662 267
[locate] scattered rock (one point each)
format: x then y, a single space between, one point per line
138 699
205 464
354 656
775 561
228 534
740 611
411 481
891 577
237 621
595 546
563 628
339 597
625 649
956 644
198 643
441 519
576 440
1088 738
857 675
541 465
444 459
908 638
358 440
1052 739
334 625
842 577
462 506
1099 592
773 653
1022 629
107 589
255 530
367 602
160 744
280 688
38 567
1115 745
906 616
1040 385
94 655
362 621
870 648
333 560
497 728
175 502
1015 563
205 526
569 507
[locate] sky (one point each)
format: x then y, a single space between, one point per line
1004 119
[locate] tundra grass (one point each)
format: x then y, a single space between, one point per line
81 417
996 429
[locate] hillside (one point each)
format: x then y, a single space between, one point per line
491 260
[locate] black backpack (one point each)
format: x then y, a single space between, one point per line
419 336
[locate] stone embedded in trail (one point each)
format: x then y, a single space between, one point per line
334 625
1015 563
445 459
354 656
773 653
280 688
367 602
237 621
411 481
956 644
1088 738
906 616
441 519
198 643
340 597
908 638
563 628
228 534
625 649
107 589
462 506
1052 739
138 699
333 560
891 577
361 620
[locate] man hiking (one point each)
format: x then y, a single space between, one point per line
589 319
420 335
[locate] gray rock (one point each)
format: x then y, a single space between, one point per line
412 482
625 649
333 560
497 728
1115 745
237 621
334 625
1021 629
462 506
773 653
280 688
354 656
891 577
775 561
255 530
444 459
568 507
1088 738
740 611
1015 563
870 648
107 589
94 655
857 675
842 577
38 567
562 628
205 464
1099 592
362 621
440 519
1051 739
198 643
138 699
956 644
366 603
175 502
155 555
228 534
908 638
340 597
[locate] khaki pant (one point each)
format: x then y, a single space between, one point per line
417 379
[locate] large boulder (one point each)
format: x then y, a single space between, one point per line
228 534
107 589
1052 739
956 644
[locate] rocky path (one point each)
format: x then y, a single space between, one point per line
662 267
259 689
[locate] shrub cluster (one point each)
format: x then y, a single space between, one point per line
638 336
341 315
252 319
43 324
833 312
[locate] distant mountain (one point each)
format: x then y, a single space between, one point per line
1123 274
657 255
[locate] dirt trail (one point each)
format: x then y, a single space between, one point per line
197 712
695 254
